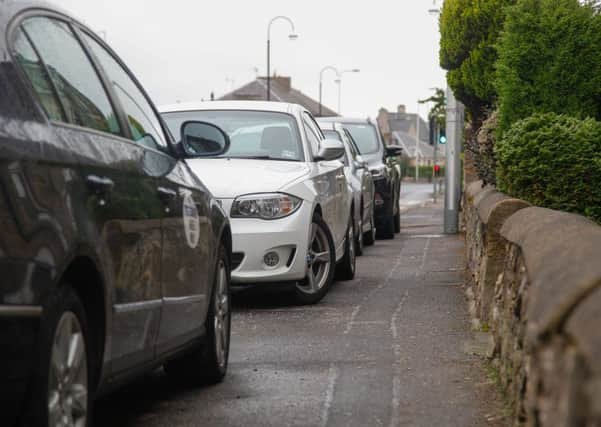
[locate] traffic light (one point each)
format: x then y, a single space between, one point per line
442 136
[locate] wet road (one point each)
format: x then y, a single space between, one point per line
385 349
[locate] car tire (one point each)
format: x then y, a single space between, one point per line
359 236
321 259
345 270
64 350
207 364
385 230
369 238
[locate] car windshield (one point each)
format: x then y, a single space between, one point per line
365 137
332 134
253 134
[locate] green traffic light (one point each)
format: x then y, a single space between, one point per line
443 139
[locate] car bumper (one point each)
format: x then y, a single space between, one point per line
19 327
253 239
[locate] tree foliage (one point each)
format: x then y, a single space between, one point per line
469 30
553 161
549 60
439 109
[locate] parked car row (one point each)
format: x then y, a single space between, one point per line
122 228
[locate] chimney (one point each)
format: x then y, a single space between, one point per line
401 109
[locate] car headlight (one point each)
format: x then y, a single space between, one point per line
265 206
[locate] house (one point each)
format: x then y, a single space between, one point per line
281 90
401 121
425 151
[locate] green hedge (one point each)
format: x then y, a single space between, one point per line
549 61
553 161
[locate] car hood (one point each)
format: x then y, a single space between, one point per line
229 178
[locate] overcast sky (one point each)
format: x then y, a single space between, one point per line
182 50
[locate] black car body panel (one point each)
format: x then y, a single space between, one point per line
113 214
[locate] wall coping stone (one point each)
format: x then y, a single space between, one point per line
495 207
473 189
561 251
583 327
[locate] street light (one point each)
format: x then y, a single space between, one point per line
323 70
339 82
291 36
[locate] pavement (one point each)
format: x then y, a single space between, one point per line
389 348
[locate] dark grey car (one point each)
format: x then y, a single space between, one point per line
114 257
384 167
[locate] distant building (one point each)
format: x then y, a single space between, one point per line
401 121
425 151
281 90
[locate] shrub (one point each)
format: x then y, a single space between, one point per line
553 161
549 60
468 32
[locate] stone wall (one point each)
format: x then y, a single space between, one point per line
535 282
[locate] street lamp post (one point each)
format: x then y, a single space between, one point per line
339 82
291 36
323 70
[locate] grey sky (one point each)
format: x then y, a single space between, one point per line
184 49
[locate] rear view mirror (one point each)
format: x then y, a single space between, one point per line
394 150
330 149
202 139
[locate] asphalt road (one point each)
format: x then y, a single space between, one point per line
385 349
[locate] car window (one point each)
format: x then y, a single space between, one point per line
365 136
33 67
351 144
332 134
144 124
79 88
253 134
313 135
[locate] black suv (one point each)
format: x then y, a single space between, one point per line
114 257
385 170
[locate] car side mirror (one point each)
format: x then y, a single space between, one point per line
329 149
202 139
360 163
394 150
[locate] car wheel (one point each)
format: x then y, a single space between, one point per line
346 269
385 228
369 238
61 394
359 236
321 259
207 364
397 218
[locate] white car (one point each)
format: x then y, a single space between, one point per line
280 181
358 175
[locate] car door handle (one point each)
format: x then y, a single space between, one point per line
166 195
99 184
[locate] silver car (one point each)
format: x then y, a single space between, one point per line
357 174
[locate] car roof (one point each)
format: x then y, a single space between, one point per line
345 120
276 107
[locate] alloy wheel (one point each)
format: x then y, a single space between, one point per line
222 312
319 261
68 375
